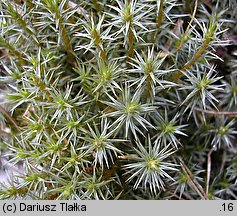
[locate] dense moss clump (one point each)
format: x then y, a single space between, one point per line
123 99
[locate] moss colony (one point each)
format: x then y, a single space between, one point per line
119 99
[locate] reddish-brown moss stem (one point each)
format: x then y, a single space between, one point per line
194 184
148 85
159 19
103 55
9 117
188 27
225 113
160 14
195 58
130 42
97 6
65 38
66 42
12 50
